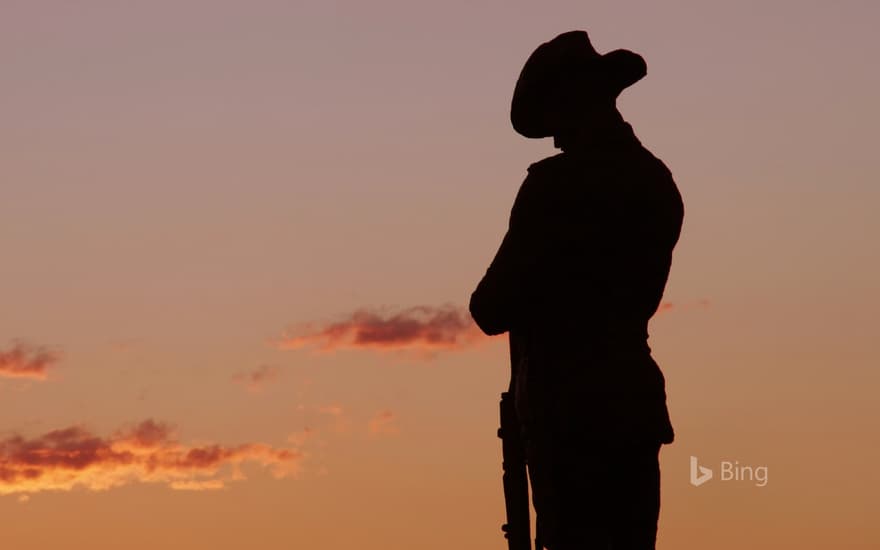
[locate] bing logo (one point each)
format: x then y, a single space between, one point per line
730 471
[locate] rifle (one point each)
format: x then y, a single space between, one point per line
515 479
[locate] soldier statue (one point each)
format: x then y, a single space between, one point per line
579 272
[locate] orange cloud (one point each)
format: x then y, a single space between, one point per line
335 410
69 458
257 378
341 422
383 423
25 361
301 437
668 306
424 328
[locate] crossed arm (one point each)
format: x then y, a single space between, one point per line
502 296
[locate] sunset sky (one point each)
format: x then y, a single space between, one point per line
238 240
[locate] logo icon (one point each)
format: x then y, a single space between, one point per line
699 474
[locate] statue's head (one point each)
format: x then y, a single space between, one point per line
566 83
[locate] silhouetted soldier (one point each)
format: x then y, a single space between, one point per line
578 275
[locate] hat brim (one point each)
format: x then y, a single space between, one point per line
609 75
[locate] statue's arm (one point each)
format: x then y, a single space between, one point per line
501 297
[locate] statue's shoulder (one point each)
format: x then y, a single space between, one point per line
547 166
538 186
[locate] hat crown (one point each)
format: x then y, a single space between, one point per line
569 57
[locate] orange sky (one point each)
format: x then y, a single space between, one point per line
237 238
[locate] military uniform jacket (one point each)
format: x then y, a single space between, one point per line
579 273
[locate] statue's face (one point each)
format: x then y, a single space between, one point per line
578 108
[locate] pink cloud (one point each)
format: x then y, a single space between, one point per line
256 379
26 361
383 423
301 437
424 328
341 422
74 457
702 303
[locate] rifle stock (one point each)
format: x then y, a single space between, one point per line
515 478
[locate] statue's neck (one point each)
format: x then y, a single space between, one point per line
604 128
